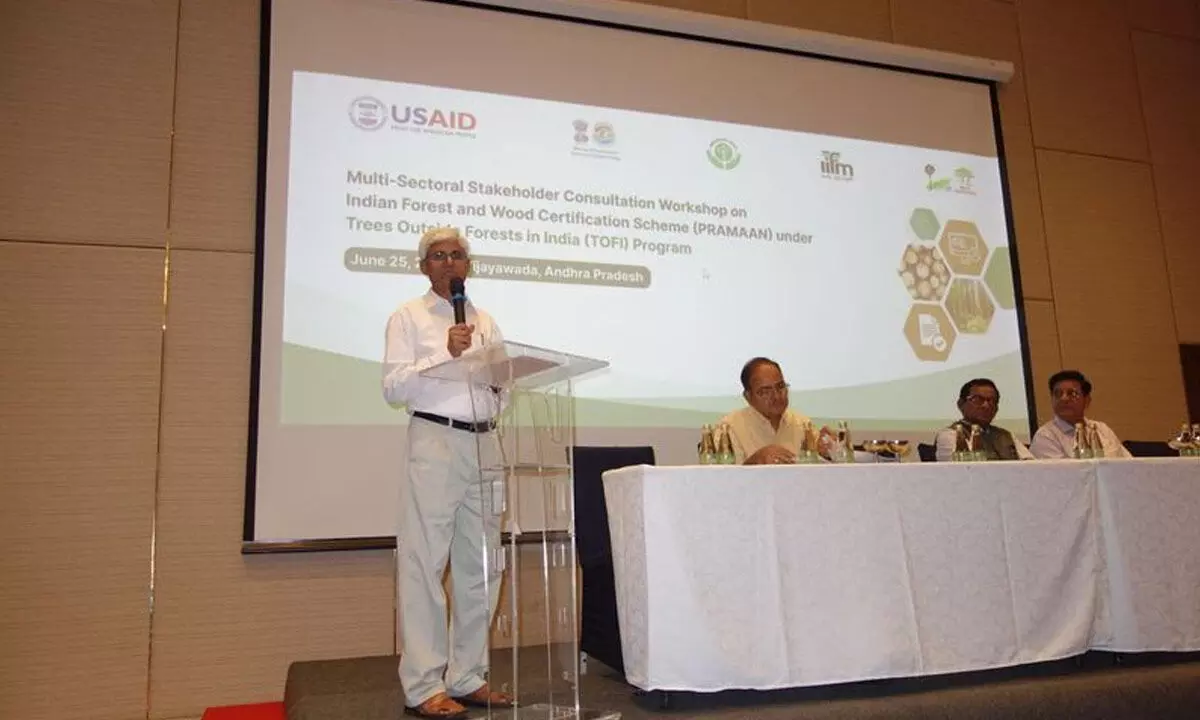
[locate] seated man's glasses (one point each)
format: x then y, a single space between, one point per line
982 400
769 390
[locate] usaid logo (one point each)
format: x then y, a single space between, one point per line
433 118
368 113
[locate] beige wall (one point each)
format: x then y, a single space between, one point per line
128 157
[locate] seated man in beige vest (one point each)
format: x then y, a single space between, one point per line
767 432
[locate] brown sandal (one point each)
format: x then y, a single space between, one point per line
440 707
485 697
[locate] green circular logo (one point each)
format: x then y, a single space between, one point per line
724 154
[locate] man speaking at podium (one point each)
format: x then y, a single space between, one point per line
443 511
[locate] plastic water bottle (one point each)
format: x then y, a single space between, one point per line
708 446
725 446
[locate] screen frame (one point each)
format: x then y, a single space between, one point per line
251 546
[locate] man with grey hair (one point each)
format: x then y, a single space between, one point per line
444 512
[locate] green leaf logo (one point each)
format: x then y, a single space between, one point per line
723 154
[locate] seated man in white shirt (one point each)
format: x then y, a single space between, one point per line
1071 394
767 432
979 401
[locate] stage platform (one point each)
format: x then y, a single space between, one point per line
1096 686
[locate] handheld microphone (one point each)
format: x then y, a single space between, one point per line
458 299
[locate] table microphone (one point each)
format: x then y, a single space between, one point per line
458 299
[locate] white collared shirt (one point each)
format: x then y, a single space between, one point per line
1056 440
415 341
751 431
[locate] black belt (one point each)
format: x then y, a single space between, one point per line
479 427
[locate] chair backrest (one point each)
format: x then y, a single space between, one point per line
927 452
591 515
1149 448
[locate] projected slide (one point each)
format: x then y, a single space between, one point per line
877 274
670 205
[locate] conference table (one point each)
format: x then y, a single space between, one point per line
787 576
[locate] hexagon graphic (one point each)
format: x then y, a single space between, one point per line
924 273
999 278
970 306
930 332
964 248
925 224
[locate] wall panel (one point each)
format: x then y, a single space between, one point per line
1082 85
227 626
86 91
80 340
857 18
1111 297
214 173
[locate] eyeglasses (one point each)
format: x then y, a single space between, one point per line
983 400
441 255
1071 394
769 390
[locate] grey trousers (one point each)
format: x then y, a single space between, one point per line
448 511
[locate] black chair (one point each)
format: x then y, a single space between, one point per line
599 629
927 452
1149 448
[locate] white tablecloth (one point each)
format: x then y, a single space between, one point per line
1150 523
772 577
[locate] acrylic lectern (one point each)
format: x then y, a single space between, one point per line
525 472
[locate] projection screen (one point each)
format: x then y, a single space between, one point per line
673 205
